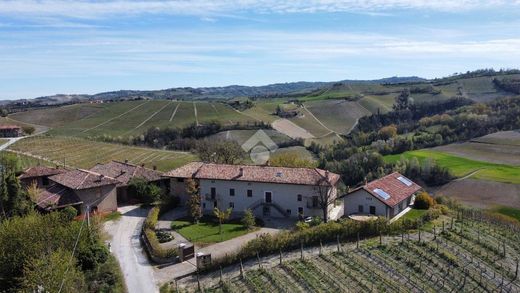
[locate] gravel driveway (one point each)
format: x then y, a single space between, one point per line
137 271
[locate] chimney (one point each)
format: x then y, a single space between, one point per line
366 181
101 176
241 172
268 163
154 167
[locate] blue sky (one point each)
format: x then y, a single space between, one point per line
56 46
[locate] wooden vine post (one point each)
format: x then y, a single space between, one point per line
281 257
301 249
241 269
221 279
258 260
339 243
357 242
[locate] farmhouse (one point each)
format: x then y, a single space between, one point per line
124 172
10 130
79 188
387 196
39 175
267 191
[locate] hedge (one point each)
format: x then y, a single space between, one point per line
154 246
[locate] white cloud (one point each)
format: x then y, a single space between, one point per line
93 9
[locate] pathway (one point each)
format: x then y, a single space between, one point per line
125 232
151 116
174 111
196 116
118 116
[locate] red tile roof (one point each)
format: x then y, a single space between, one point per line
83 179
124 172
56 196
40 171
283 175
10 127
391 185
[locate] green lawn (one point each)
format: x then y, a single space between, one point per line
508 211
461 166
413 214
207 231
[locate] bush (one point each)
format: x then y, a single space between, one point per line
152 218
163 237
69 213
424 201
248 220
155 246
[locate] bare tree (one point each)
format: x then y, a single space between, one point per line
326 195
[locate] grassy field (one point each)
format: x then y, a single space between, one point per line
413 214
461 166
207 231
508 211
59 116
2 141
458 259
81 153
26 161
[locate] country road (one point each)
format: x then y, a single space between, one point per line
125 232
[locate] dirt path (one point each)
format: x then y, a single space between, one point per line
247 115
174 112
118 116
290 129
196 116
468 175
151 116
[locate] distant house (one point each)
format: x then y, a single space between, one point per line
79 188
124 172
267 191
10 131
387 196
39 175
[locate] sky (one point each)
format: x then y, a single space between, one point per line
56 46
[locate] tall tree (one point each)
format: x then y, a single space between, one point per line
326 196
194 205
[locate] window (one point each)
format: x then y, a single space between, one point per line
299 197
213 192
212 181
288 211
315 201
300 210
204 205
214 204
180 179
45 181
372 210
231 204
360 208
231 192
249 193
268 197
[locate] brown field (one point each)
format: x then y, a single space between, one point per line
290 129
481 193
500 147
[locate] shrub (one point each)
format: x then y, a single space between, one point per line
248 220
163 237
69 213
155 246
424 201
152 218
28 130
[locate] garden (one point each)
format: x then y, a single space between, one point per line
207 230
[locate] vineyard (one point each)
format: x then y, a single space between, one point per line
468 254
81 153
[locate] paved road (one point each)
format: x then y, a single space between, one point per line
137 271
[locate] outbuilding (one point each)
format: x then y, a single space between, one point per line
387 197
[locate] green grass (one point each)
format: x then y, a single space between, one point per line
207 231
461 166
82 153
26 161
414 214
508 211
113 216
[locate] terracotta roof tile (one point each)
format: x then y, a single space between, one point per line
124 172
40 171
391 185
57 196
82 179
10 127
301 176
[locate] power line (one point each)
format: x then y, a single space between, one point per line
73 252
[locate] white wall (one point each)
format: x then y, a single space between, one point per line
362 197
285 195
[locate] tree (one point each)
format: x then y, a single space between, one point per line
33 191
50 273
402 102
291 160
222 217
194 206
145 191
423 201
326 195
28 130
220 151
248 220
387 132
